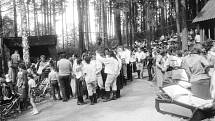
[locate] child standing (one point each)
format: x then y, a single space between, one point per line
9 82
32 93
53 80
78 73
111 69
90 78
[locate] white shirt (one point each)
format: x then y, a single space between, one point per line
198 38
119 65
53 75
127 55
98 66
111 65
90 72
78 70
31 83
140 55
174 61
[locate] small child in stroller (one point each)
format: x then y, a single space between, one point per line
9 103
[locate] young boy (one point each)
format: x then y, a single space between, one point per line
89 71
78 72
53 80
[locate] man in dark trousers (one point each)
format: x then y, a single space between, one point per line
64 67
149 62
15 59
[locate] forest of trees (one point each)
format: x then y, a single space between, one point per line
117 22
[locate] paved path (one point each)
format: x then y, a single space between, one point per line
136 104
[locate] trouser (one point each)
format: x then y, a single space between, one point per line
110 82
99 81
1 94
124 68
55 87
91 88
79 87
104 76
129 72
70 88
79 90
14 74
149 68
64 82
133 67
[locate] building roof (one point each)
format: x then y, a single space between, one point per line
207 12
48 40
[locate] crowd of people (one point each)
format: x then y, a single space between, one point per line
98 75
193 69
101 74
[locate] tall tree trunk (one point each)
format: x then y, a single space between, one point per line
148 30
104 23
15 18
117 20
54 17
177 16
2 69
127 29
80 24
25 44
197 11
162 16
62 9
28 18
184 25
86 24
45 18
130 24
50 17
74 30
35 18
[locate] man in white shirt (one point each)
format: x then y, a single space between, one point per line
89 71
64 67
15 59
111 69
140 56
127 60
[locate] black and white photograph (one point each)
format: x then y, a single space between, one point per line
107 60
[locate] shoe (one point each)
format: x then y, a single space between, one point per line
118 94
54 98
107 97
114 95
94 98
60 99
102 93
35 112
91 100
64 100
78 103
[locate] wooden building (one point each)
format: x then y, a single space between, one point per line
39 45
206 21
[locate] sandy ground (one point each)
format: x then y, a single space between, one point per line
136 104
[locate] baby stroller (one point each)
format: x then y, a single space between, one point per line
9 107
43 86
